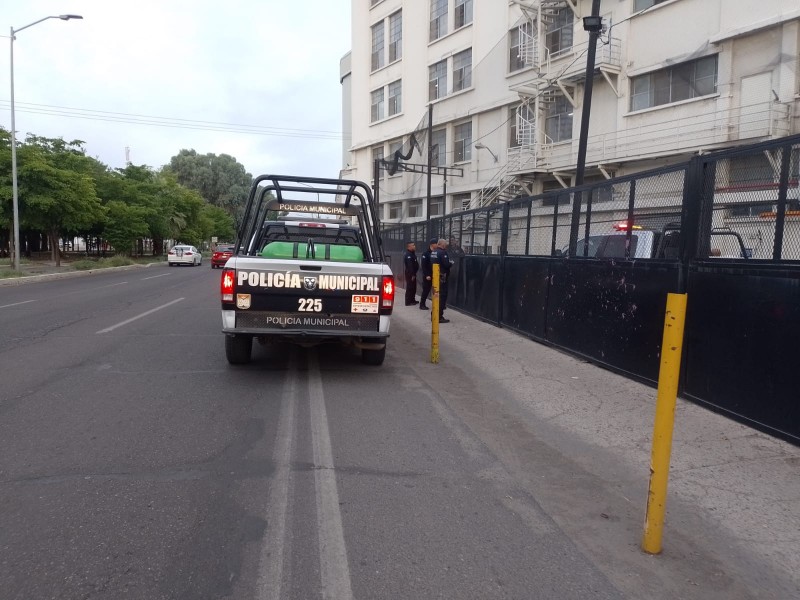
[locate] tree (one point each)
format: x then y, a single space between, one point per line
126 224
6 211
220 223
56 188
220 180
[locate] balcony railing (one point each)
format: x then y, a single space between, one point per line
691 127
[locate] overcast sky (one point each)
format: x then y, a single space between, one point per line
266 66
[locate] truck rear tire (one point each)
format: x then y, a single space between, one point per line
373 357
238 349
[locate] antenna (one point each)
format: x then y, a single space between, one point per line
127 156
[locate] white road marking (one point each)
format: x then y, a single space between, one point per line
17 303
271 566
144 314
334 568
155 276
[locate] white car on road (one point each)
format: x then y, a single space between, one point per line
184 255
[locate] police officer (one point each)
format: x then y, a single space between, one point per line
427 273
443 258
411 266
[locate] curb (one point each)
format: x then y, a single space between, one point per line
11 281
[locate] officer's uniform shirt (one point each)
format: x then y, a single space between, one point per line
410 262
427 266
444 262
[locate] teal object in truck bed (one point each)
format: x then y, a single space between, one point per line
301 250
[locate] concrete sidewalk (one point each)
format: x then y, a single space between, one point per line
578 438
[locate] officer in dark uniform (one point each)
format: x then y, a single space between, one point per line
427 273
443 258
411 266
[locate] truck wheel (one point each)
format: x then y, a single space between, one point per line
373 357
238 349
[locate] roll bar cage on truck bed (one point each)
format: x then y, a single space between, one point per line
307 271
259 205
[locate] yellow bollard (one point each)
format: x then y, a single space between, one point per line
668 374
435 314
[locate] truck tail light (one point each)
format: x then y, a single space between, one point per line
387 294
228 284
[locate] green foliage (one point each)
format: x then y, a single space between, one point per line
126 224
220 179
64 193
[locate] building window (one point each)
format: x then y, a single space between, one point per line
373 2
462 70
462 142
559 32
439 148
438 19
377 154
394 210
377 46
463 13
414 209
748 210
396 36
437 86
642 4
516 59
462 201
437 206
558 122
395 97
681 82
376 114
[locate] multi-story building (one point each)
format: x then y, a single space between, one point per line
504 79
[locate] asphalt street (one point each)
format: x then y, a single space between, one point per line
135 462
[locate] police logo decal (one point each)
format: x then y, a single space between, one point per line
243 301
310 283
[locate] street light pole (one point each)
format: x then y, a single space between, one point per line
14 187
594 25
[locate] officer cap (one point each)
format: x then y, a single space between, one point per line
433 241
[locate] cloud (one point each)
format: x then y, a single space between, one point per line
197 65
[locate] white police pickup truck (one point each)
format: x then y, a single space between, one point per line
307 271
642 242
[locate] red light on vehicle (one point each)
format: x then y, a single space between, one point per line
320 225
623 226
387 292
227 285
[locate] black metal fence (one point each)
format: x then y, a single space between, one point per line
723 227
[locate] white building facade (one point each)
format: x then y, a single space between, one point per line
505 82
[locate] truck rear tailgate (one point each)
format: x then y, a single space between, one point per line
306 298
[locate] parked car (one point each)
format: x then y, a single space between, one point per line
221 255
184 255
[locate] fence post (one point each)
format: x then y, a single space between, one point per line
668 376
780 213
501 277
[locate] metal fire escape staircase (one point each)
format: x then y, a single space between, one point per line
525 159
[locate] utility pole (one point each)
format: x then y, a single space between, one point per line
593 24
